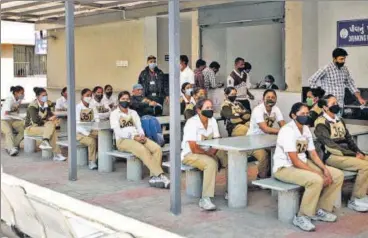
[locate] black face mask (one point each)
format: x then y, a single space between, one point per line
207 113
270 103
108 94
124 104
231 98
303 120
335 109
339 65
99 97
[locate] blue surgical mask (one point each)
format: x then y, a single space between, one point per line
43 99
152 65
189 91
21 97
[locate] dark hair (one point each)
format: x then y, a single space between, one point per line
247 65
215 65
85 90
296 108
63 91
184 59
269 91
183 86
96 88
122 94
271 78
228 90
317 92
238 59
151 57
200 103
339 52
323 101
196 90
107 86
15 89
38 91
200 63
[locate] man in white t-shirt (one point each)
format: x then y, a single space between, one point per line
186 74
261 122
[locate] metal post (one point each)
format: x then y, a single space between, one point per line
70 68
175 132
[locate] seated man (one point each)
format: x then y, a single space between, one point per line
143 105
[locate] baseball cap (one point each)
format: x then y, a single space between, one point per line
137 86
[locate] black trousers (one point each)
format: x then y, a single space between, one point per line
246 104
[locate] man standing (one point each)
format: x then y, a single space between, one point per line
209 74
238 79
198 73
186 74
334 77
152 80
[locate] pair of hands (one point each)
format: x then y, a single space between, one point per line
362 101
211 152
140 138
327 178
53 118
360 156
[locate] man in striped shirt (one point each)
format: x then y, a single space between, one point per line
335 77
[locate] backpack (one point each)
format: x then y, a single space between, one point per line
152 129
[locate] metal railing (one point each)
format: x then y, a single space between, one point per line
25 69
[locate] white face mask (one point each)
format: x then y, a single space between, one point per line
87 99
268 84
188 91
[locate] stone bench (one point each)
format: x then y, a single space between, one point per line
30 145
134 165
289 195
82 152
193 179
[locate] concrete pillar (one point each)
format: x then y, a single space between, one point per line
196 44
293 45
150 36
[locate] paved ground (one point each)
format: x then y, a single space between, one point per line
139 201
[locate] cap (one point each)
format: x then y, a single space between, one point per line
137 86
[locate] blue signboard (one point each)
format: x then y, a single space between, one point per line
352 33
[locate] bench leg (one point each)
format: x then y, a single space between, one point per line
47 154
29 145
82 156
105 162
194 182
288 205
134 169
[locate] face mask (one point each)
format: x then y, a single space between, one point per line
231 98
335 109
98 97
339 65
189 91
43 99
303 120
207 113
152 65
124 104
270 103
310 102
21 97
268 84
87 99
108 94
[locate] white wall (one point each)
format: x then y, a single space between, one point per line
17 33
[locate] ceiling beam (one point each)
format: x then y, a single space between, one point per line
20 15
43 9
20 6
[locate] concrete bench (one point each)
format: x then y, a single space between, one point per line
289 195
82 152
134 165
193 179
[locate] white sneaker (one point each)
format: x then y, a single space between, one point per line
13 151
363 202
354 206
156 182
45 145
322 215
165 180
304 223
59 157
226 196
92 165
206 204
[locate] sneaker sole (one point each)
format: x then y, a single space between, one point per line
318 219
363 210
314 229
157 185
208 210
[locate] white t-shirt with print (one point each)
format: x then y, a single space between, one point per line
195 131
259 115
9 106
290 139
126 125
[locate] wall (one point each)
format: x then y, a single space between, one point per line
17 33
97 48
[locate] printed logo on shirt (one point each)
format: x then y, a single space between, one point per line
301 146
270 120
338 130
42 113
14 108
101 109
209 137
126 121
86 115
237 109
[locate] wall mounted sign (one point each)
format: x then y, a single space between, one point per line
352 33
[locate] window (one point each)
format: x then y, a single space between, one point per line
27 63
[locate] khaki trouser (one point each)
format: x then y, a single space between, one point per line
7 127
91 142
47 131
240 130
209 166
149 153
315 195
353 164
263 159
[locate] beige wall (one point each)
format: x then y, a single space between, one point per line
97 48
